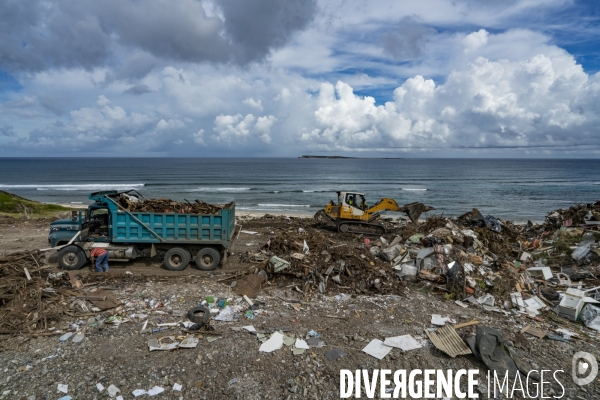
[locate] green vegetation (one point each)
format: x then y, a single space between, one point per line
16 206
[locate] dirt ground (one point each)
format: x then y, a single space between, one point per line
227 363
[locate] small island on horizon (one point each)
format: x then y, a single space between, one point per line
352 158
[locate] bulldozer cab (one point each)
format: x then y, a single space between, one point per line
352 202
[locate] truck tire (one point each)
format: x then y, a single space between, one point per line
208 259
199 315
71 258
177 259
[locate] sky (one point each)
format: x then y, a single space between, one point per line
284 78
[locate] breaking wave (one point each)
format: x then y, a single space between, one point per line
218 189
283 205
414 189
73 187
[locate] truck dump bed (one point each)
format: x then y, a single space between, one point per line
169 227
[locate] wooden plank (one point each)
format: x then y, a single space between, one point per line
474 322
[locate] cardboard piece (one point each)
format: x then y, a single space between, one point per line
110 302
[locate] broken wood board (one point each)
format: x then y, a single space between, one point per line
462 325
534 331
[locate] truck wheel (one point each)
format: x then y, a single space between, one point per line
208 259
177 259
71 258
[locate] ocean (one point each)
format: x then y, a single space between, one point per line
513 189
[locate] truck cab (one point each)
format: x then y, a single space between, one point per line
63 230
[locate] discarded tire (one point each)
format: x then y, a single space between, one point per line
208 259
71 258
199 315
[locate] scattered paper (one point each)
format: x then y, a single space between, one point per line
189 342
120 397
226 315
250 232
177 387
113 390
63 388
566 333
249 328
100 387
405 342
461 304
155 344
139 392
274 343
377 349
155 390
441 321
288 340
301 344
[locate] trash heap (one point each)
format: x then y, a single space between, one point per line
28 301
498 265
132 203
323 264
579 214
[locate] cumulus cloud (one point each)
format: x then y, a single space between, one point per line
237 128
263 127
539 102
475 40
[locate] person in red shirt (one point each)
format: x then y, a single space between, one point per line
101 257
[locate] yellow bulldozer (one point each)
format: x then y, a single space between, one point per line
352 214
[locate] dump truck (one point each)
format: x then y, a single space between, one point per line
352 214
176 234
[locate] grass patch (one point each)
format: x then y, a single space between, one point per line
17 206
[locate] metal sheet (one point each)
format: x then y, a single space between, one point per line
447 340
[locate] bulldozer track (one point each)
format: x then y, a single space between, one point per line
360 227
350 226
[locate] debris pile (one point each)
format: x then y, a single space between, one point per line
319 262
28 302
132 203
474 259
579 214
